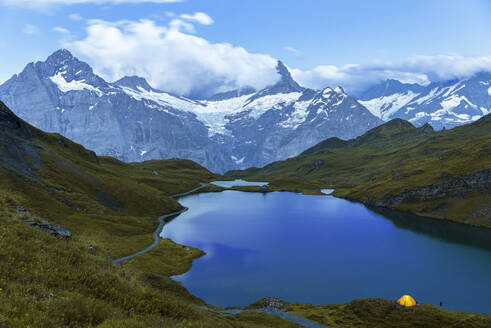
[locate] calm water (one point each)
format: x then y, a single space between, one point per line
235 183
321 250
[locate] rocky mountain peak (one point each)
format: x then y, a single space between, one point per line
286 82
134 82
390 87
60 56
327 90
63 67
63 61
340 90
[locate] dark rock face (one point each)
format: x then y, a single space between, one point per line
55 230
132 121
18 153
449 187
8 120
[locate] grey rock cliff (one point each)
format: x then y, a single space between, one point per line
132 121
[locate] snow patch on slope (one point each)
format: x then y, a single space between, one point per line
213 113
261 105
298 116
385 106
161 98
74 85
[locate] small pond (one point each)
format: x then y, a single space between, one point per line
237 183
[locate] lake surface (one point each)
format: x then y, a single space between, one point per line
236 183
323 250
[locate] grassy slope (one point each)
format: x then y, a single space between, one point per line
111 209
372 313
383 165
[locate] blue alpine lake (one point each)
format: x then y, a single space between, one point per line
324 250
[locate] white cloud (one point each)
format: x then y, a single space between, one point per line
47 3
418 69
445 67
297 53
199 17
75 17
179 25
61 30
171 59
31 29
353 78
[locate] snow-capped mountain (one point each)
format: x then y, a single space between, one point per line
63 95
274 123
442 104
133 121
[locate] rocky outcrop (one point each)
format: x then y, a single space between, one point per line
55 230
449 187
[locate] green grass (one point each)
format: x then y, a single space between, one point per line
111 209
390 160
167 258
373 313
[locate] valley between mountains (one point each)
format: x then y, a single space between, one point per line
130 120
245 164
110 207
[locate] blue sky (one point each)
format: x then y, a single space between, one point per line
352 43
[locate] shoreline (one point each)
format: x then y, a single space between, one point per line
162 221
255 189
318 192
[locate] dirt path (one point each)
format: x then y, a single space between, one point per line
162 220
283 315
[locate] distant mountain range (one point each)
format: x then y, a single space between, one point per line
442 104
132 121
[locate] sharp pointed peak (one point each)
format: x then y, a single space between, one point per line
282 69
63 60
60 55
284 72
286 82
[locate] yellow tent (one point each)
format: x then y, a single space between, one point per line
406 300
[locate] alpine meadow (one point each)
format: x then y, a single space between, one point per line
185 163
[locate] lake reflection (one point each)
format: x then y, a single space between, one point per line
322 249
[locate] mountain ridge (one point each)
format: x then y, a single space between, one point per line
131 120
437 174
442 104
